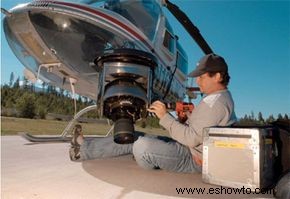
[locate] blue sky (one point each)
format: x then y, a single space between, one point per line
253 37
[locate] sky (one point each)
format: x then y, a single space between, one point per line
252 36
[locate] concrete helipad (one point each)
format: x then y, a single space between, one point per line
44 171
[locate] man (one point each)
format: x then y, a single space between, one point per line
183 151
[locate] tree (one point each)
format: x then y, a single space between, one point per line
26 83
16 83
11 80
26 105
270 119
280 117
43 85
286 117
42 112
252 117
260 118
29 103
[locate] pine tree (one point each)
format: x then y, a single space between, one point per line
252 117
16 83
260 118
43 85
270 119
11 79
26 83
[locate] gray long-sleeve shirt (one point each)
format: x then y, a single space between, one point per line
216 109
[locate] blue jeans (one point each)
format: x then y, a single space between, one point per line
150 152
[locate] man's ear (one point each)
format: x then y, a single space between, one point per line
218 77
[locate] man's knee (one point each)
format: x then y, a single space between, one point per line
141 152
141 146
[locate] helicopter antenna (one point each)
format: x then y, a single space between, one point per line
189 26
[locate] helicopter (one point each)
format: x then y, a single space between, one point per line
123 54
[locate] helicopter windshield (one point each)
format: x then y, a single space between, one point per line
144 14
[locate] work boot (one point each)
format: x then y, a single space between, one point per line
77 140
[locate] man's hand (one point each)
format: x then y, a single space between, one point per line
158 108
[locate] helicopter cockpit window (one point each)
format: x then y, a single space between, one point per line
168 41
143 14
21 53
77 42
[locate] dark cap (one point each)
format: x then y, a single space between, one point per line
209 63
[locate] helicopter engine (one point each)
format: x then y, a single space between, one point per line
125 85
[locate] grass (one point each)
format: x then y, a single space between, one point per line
12 125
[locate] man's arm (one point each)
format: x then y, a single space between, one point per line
191 134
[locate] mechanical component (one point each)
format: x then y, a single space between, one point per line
125 89
123 131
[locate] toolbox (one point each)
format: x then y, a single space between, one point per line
241 157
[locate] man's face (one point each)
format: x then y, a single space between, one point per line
208 84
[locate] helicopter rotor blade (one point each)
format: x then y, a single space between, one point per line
189 26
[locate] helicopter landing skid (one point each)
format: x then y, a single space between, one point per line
63 137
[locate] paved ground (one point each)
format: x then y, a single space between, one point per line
44 171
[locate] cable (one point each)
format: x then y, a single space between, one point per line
170 81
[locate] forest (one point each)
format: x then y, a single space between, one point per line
21 98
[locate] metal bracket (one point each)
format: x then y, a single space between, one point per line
77 116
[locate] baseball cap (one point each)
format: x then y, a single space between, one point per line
209 63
